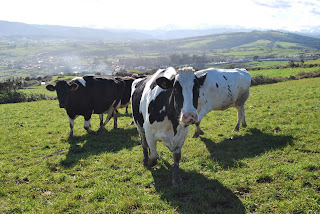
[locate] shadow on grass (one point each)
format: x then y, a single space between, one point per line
109 141
197 194
230 151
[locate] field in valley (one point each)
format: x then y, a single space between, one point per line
272 166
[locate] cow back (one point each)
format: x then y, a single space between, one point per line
105 92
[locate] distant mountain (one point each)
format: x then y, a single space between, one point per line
23 31
20 32
314 31
178 34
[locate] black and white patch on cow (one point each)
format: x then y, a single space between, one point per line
89 95
223 88
163 107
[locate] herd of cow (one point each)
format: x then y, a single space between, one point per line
164 105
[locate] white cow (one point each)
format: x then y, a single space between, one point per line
222 89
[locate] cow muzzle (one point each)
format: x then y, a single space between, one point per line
189 118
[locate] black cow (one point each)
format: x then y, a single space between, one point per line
89 95
125 99
163 107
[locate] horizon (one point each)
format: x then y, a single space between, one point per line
290 15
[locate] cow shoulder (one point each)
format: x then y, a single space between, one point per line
138 86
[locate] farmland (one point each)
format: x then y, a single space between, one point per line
41 59
272 166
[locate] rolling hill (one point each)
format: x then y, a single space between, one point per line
72 55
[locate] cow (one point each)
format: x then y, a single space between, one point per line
163 107
223 88
125 99
89 95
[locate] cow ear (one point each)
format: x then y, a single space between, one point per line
164 83
73 86
50 88
202 79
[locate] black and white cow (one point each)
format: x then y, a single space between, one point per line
163 107
89 95
223 88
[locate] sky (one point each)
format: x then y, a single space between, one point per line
290 15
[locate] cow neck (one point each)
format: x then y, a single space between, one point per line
173 115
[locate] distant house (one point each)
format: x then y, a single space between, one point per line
43 83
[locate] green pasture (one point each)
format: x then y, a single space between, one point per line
272 166
282 72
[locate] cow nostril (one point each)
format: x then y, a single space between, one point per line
190 117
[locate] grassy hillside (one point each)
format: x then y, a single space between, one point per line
41 59
272 166
259 43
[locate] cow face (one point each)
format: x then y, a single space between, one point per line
64 90
185 93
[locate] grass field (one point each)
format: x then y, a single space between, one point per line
282 72
272 166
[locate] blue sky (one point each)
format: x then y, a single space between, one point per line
148 14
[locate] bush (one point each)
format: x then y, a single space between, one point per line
18 97
302 75
260 79
11 84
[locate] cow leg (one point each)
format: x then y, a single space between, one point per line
71 122
87 125
127 110
176 179
115 119
152 143
244 124
101 119
241 118
110 114
198 130
145 150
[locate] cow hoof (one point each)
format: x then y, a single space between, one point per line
91 132
197 134
152 162
177 181
145 162
100 131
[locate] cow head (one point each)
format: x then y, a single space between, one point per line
64 89
185 87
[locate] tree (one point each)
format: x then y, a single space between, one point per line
302 60
292 64
11 84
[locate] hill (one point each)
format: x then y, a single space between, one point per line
244 39
44 58
22 33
